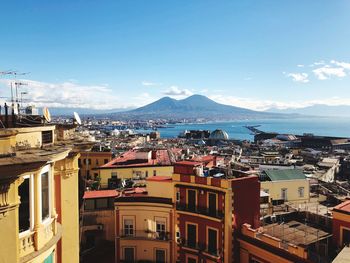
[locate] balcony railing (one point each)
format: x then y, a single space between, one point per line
35 240
142 234
201 247
26 244
200 210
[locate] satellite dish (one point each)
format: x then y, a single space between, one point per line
77 118
47 114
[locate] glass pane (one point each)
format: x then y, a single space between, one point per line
45 202
101 203
160 256
24 207
191 235
129 254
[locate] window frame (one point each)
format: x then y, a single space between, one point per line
301 189
31 206
155 254
133 228
217 239
186 233
46 169
134 250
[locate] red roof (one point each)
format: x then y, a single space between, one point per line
343 207
129 159
188 163
138 191
160 178
100 194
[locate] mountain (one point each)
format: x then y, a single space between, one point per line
82 111
193 107
317 110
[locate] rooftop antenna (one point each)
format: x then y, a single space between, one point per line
47 114
77 118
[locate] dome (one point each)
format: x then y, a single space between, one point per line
218 135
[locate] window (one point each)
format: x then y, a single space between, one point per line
212 204
191 260
114 175
212 241
191 235
105 161
101 203
129 254
46 137
191 200
128 227
24 217
88 161
146 173
301 191
160 256
154 172
45 196
96 161
161 229
95 176
79 163
178 196
89 204
346 236
284 193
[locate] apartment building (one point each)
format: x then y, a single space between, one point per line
144 223
39 213
210 212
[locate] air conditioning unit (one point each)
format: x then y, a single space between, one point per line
100 227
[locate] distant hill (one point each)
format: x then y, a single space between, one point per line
193 107
317 110
82 111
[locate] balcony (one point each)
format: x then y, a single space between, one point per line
201 248
200 210
34 243
142 234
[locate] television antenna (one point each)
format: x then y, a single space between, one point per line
47 114
77 118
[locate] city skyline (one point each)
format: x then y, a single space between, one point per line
118 54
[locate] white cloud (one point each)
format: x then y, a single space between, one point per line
318 63
327 72
261 105
344 65
150 84
298 77
176 91
68 94
300 66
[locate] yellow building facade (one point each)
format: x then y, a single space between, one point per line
137 165
145 226
288 190
39 213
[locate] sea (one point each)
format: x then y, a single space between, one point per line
326 126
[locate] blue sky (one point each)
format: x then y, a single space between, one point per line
113 54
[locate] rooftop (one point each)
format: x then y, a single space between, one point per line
100 194
132 159
285 174
296 233
160 178
343 207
